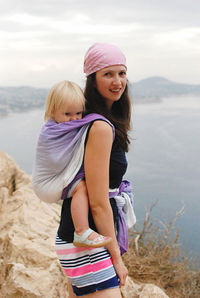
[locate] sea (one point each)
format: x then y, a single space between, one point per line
164 161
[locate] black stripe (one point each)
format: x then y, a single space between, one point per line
100 252
76 259
93 258
99 259
66 265
72 263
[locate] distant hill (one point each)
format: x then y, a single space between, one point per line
156 88
19 99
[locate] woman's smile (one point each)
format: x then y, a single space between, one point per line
111 83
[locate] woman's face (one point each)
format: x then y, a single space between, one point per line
111 83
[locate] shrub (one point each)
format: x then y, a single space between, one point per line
155 256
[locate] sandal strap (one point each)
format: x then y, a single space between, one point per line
84 236
99 238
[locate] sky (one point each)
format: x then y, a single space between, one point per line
44 41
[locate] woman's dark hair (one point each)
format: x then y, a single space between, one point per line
119 115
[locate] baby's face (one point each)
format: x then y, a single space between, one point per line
68 113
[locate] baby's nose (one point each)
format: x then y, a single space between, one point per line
74 117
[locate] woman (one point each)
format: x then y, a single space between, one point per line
100 272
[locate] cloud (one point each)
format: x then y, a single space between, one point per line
37 37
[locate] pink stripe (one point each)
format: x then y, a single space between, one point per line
67 251
88 268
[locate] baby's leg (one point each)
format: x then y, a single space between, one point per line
83 235
79 208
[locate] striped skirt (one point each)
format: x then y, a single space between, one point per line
88 269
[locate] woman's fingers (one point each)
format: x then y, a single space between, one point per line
122 278
121 271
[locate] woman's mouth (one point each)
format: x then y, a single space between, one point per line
115 91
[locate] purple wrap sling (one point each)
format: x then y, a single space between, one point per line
59 157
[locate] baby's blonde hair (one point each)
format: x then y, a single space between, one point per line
63 92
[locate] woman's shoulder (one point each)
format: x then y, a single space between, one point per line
100 127
100 138
100 133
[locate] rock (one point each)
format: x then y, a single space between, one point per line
29 264
28 261
131 289
152 291
134 290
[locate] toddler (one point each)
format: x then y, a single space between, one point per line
66 102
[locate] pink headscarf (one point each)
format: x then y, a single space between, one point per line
101 55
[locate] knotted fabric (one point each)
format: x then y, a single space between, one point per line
124 199
59 155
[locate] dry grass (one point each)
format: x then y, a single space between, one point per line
154 256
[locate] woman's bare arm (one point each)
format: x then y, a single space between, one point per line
96 163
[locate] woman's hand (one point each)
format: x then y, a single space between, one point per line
121 271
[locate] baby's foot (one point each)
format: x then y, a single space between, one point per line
90 239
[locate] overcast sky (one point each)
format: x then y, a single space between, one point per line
44 41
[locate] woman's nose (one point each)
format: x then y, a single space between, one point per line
116 80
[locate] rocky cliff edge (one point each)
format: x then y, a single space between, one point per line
28 263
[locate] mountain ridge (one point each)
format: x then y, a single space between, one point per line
151 89
155 88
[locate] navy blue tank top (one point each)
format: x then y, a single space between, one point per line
118 166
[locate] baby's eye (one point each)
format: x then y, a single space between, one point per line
66 114
78 113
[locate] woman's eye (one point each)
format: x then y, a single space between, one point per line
122 73
107 74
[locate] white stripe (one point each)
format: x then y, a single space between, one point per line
86 275
85 253
113 190
92 278
78 265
